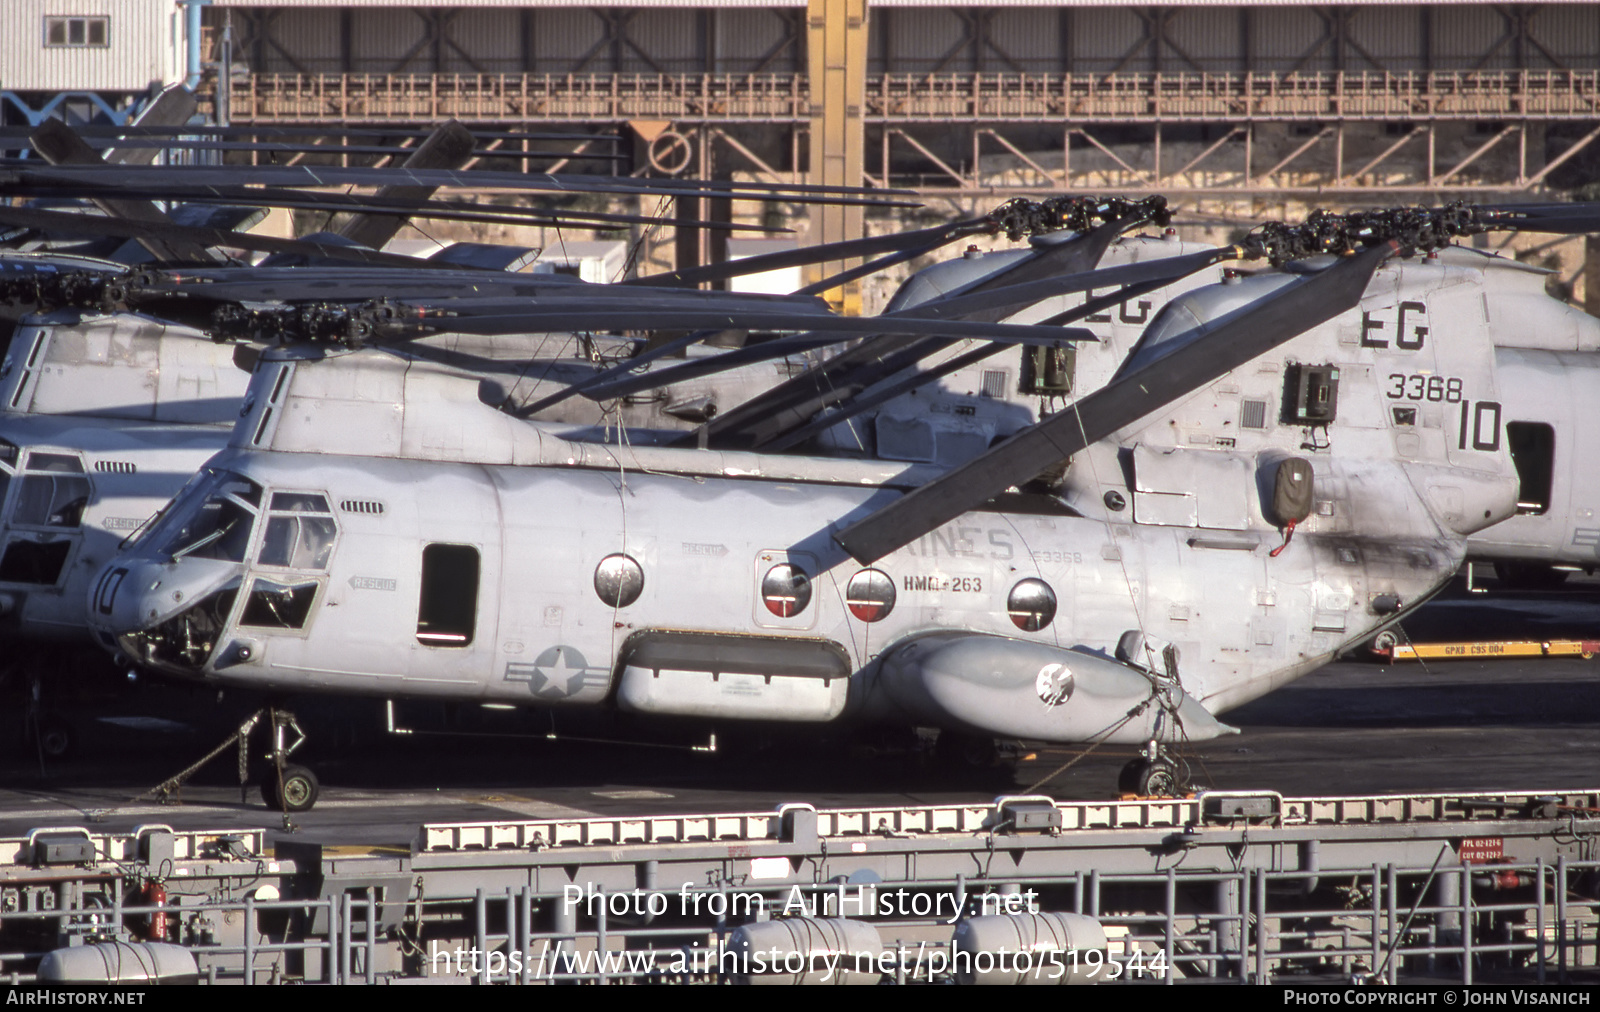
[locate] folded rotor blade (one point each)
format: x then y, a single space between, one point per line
441 210
592 314
1556 219
1304 304
449 147
165 232
822 253
794 401
475 179
57 144
172 107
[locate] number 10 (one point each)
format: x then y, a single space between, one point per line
1485 425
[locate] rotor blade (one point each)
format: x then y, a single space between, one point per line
165 233
57 144
591 314
441 210
1005 298
1008 297
172 107
1292 311
1557 219
860 405
795 400
473 179
446 287
449 147
822 253
870 267
891 359
623 368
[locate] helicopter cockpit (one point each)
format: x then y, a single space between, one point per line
227 553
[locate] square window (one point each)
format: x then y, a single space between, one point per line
77 32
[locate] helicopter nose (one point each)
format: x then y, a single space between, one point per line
114 604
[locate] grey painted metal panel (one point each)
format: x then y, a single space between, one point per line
1465 39
745 37
312 37
489 41
1210 38
1031 37
920 41
379 40
1571 34
1391 36
562 38
1286 39
1101 37
672 40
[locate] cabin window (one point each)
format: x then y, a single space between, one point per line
448 610
28 561
300 532
870 595
1031 605
786 590
619 580
218 528
273 605
53 492
1533 451
77 32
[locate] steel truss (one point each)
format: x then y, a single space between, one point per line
1344 132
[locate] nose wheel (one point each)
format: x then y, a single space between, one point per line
293 789
1152 775
287 787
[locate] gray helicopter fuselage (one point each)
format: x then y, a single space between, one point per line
102 419
374 529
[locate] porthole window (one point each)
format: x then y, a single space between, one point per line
870 595
1031 605
786 590
618 580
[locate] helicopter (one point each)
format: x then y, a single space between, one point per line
108 412
970 359
429 546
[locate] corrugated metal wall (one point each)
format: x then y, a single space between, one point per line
1031 39
142 48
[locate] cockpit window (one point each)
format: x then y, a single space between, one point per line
274 605
8 466
299 502
53 491
299 542
300 532
219 527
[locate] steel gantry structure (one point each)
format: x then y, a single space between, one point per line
1221 98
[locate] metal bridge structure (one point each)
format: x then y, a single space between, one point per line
1221 887
1251 100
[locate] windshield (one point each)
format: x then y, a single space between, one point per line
212 520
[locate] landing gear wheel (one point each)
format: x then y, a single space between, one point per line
55 736
1149 778
300 789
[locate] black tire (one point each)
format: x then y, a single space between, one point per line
54 736
1147 779
300 789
